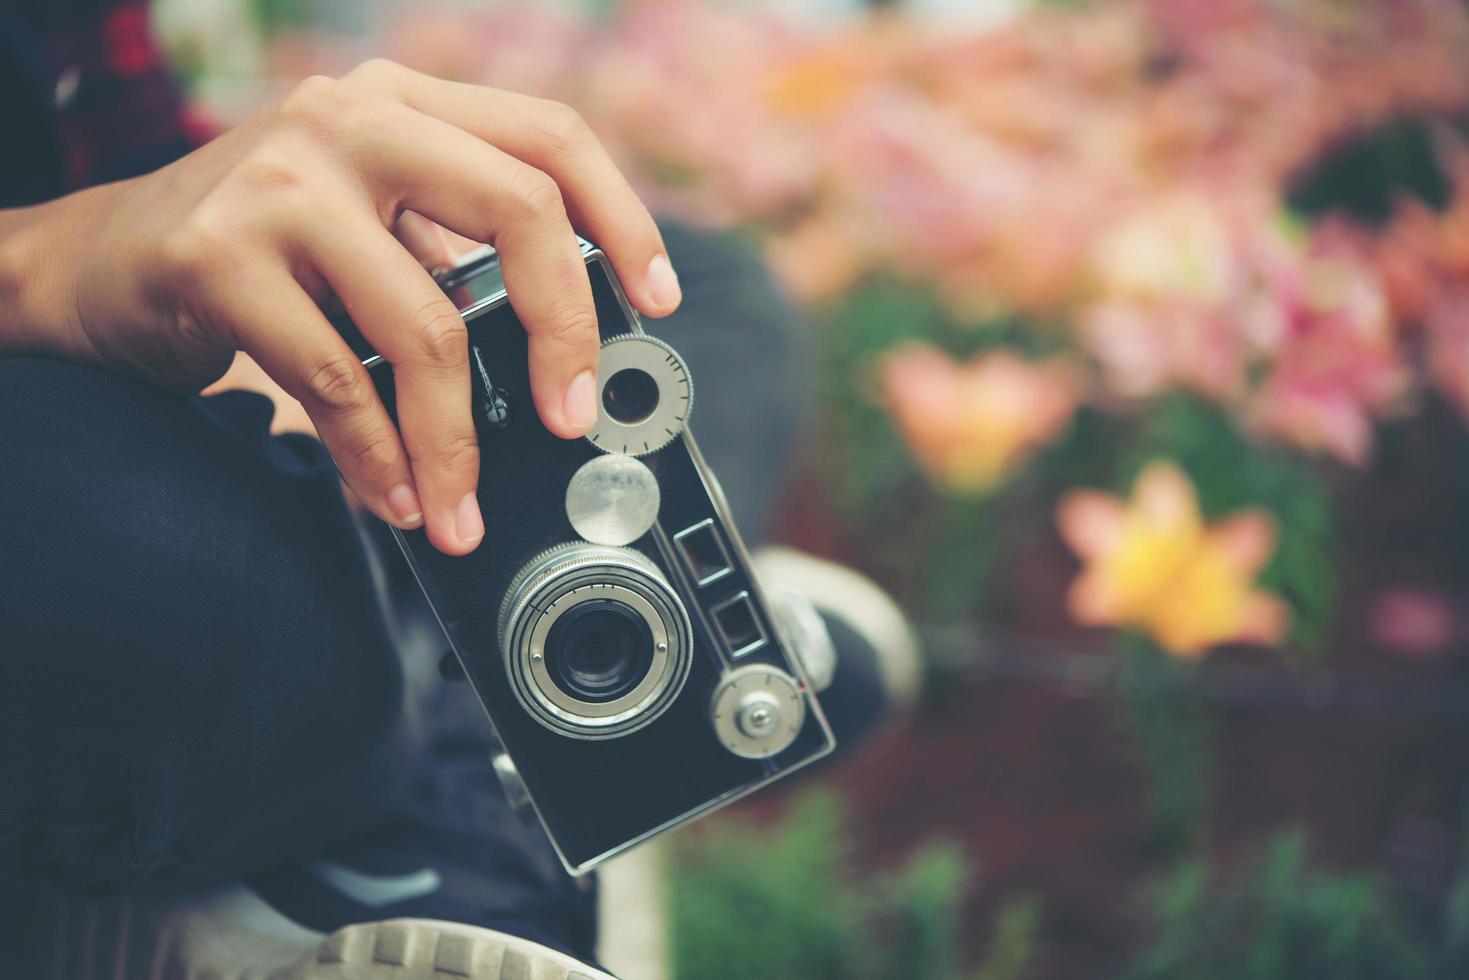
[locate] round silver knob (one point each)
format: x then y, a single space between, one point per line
758 714
758 710
612 500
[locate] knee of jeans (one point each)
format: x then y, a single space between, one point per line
185 626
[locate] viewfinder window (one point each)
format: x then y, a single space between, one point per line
703 552
738 625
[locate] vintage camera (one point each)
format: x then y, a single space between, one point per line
636 674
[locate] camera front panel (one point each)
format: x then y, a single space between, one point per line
599 794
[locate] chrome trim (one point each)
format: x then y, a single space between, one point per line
533 602
683 554
733 652
573 710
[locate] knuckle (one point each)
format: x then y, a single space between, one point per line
272 170
337 384
573 326
535 195
376 71
440 334
318 104
459 453
374 452
198 245
560 128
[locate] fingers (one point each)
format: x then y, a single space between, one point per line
280 326
552 138
476 190
407 318
433 245
426 241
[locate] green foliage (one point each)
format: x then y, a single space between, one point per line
1012 944
869 462
794 886
274 17
1175 740
1280 921
788 887
1366 176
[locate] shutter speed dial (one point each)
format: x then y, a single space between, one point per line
644 396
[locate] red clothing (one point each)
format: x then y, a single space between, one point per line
85 98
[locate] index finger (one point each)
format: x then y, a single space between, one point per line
552 138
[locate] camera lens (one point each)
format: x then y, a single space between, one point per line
599 651
630 396
596 643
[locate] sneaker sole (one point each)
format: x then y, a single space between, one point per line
839 591
231 934
425 949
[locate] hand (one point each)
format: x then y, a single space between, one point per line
230 248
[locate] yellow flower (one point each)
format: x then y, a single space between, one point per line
1151 563
970 424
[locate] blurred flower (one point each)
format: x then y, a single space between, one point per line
1148 348
1174 248
1414 622
1335 360
816 259
1151 563
1448 348
970 424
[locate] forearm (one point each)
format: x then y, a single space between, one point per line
38 267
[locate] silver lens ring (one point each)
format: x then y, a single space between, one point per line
548 591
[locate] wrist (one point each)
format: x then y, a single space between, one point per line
41 251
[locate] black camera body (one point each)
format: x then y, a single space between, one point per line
610 621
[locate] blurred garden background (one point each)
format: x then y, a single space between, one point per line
1143 332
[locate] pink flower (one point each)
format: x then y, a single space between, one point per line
970 424
1414 622
1334 354
1448 347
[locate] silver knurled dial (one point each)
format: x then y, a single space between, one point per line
646 365
758 711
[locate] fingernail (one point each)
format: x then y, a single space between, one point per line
580 407
405 506
663 282
467 523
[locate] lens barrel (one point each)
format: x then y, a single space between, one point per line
596 642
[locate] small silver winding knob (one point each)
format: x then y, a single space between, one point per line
758 711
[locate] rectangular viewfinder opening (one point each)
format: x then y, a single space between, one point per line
738 625
703 552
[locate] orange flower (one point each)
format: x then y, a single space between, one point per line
970 424
1151 563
